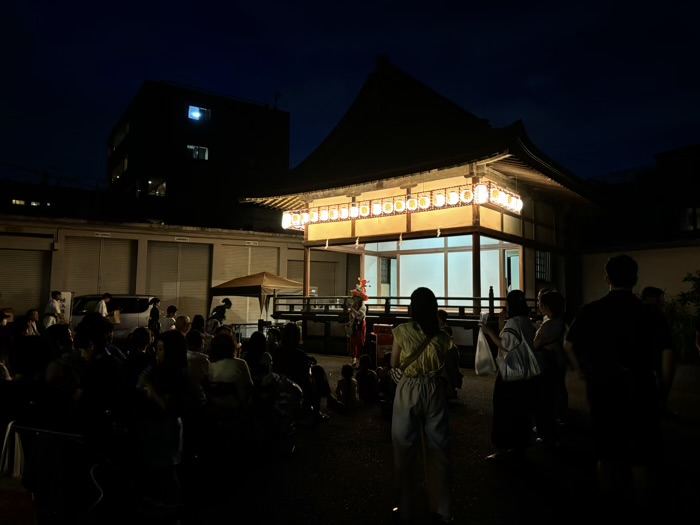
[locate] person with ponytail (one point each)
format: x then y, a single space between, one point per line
420 409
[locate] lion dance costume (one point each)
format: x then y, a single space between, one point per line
357 331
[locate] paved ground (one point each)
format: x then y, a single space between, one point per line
341 471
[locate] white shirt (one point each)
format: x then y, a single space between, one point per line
102 308
167 323
53 309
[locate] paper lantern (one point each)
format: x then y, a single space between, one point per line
305 217
354 212
314 216
364 210
344 213
412 204
424 202
439 200
323 215
376 208
466 196
481 193
400 206
453 198
286 220
388 207
296 219
333 214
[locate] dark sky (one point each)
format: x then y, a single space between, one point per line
600 86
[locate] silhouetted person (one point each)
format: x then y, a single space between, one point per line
614 343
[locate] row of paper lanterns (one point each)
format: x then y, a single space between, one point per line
437 199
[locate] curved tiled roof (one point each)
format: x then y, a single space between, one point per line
398 126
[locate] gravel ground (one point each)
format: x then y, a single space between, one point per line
341 470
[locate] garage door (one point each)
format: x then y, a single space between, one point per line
24 279
93 266
239 261
180 274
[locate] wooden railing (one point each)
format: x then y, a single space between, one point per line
460 310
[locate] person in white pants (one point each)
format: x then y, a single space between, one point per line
420 409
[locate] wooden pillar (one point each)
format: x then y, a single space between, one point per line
307 271
476 269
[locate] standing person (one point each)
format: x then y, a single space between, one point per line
420 408
512 400
613 344
53 313
357 325
452 364
549 350
154 317
168 322
102 305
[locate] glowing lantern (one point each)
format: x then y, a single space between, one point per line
481 193
377 208
412 204
296 219
333 214
388 207
354 212
305 217
400 206
439 200
453 198
324 215
518 205
466 196
495 195
344 213
424 202
286 220
314 216
364 210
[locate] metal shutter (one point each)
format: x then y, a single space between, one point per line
236 264
180 274
117 266
161 272
194 279
24 279
81 268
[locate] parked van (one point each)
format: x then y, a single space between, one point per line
134 311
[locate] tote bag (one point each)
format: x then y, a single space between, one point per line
519 363
484 364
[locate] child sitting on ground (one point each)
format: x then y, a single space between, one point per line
347 390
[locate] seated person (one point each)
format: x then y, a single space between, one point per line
347 390
229 376
367 382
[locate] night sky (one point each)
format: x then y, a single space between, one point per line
600 87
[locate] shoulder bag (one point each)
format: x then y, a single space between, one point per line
397 373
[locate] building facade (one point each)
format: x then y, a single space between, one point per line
176 151
177 264
430 194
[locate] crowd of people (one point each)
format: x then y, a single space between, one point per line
180 394
172 397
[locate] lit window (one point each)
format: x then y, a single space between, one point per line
158 189
198 152
18 202
35 203
197 113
